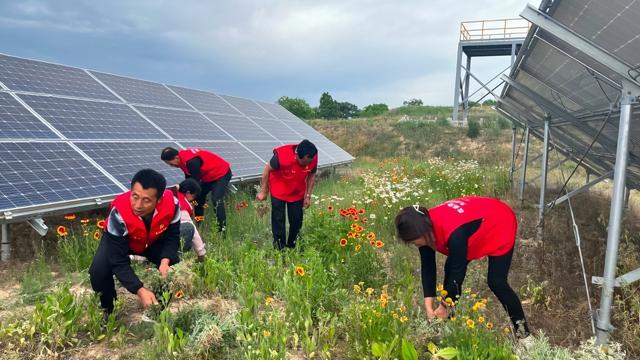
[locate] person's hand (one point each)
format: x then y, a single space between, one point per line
307 201
428 306
442 312
146 297
164 268
261 196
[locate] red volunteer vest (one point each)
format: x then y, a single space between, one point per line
289 183
213 166
497 232
184 203
139 238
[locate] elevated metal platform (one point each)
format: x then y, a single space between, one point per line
481 39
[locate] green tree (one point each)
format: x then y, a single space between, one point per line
489 102
374 110
347 110
328 108
297 106
413 102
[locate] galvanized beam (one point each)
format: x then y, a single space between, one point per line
615 215
580 190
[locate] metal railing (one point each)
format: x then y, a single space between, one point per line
494 29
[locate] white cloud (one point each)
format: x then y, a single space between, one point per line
361 51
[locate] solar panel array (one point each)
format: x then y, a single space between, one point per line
579 93
69 134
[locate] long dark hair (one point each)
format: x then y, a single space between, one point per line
413 222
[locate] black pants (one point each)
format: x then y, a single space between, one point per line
218 189
497 281
278 222
187 230
101 273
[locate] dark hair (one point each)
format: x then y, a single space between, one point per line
412 223
305 148
168 153
190 186
150 179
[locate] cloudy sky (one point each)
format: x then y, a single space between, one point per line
361 51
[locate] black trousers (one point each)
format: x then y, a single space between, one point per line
497 281
101 272
278 222
217 189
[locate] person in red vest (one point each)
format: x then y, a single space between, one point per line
186 192
289 176
211 170
142 221
464 229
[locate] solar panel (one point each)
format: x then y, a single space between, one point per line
247 107
43 173
181 124
278 129
264 149
102 128
243 163
277 111
141 91
16 122
204 101
40 77
123 159
83 119
240 127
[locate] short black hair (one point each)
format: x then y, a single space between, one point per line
150 179
412 223
190 186
168 153
305 148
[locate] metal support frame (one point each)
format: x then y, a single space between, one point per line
525 160
615 217
465 95
557 165
580 190
5 246
456 88
513 154
543 179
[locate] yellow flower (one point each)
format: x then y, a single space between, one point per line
97 235
179 294
299 271
395 316
369 291
443 293
356 289
506 330
449 301
481 319
470 324
268 300
489 325
404 319
439 287
453 318
266 333
357 248
403 308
